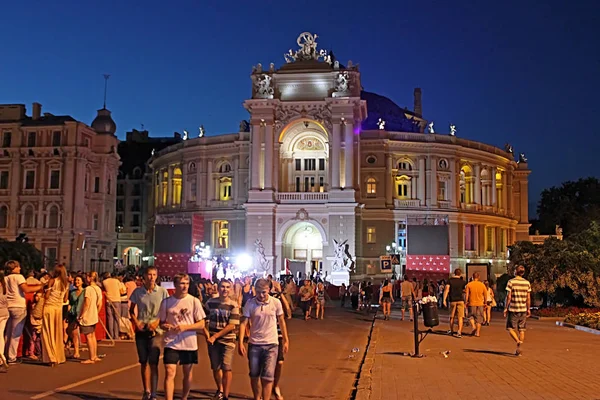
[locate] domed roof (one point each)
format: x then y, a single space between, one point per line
103 123
394 116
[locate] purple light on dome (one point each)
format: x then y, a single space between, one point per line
357 129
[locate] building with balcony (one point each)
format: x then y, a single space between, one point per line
134 189
58 184
322 162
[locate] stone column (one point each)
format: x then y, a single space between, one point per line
484 194
455 183
433 181
199 184
494 200
334 155
268 162
477 177
236 180
170 186
422 180
389 185
290 175
184 185
414 188
277 165
349 154
507 192
254 157
210 191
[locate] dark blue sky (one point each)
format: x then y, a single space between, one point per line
524 72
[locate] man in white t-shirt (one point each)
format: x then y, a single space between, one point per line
263 312
181 316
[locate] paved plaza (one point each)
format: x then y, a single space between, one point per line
558 363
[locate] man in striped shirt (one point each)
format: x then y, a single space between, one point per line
518 307
223 320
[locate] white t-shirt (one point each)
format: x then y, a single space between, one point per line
263 320
89 316
185 311
15 298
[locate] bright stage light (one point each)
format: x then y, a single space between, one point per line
244 262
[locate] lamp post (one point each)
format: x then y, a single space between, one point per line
393 250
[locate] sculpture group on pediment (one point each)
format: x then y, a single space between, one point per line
342 84
308 50
244 126
284 114
342 259
263 86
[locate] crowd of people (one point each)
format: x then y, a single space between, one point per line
66 305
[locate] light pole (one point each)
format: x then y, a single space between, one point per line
392 249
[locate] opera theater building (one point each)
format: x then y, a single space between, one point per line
326 178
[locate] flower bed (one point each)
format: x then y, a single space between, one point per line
589 320
563 311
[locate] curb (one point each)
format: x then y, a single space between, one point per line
553 319
578 327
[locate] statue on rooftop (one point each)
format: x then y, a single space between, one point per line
452 130
430 127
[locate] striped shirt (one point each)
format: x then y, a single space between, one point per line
518 287
221 314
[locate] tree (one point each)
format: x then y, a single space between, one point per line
563 271
26 254
573 206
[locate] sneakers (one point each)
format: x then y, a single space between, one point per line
458 335
15 361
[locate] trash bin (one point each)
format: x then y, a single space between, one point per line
431 317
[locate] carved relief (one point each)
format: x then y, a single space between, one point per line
284 114
310 143
263 86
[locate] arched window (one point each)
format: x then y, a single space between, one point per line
404 165
28 217
157 190
177 176
53 217
3 217
466 185
225 168
371 187
137 173
225 188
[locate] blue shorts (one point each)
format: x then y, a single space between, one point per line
262 360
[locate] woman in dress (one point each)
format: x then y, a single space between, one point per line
53 344
490 303
320 300
386 299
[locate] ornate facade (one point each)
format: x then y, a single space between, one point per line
322 162
58 185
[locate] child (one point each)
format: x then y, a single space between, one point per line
35 328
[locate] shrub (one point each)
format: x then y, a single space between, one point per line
590 320
563 311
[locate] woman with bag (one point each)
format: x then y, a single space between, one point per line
75 304
53 343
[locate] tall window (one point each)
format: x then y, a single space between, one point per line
97 184
489 238
28 217
221 234
55 179
371 187
164 183
31 139
3 217
56 139
225 189
403 184
53 217
404 166
29 179
177 176
95 222
442 190
4 180
193 191
466 185
6 139
499 188
469 237
225 168
371 235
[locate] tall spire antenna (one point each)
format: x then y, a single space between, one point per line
106 76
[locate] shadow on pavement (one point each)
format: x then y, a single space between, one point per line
493 352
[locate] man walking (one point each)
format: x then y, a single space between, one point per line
518 307
223 319
263 312
114 289
408 294
181 315
476 294
146 300
455 290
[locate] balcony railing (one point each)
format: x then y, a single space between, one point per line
302 197
221 203
407 203
444 203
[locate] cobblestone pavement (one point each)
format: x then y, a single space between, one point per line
320 365
557 363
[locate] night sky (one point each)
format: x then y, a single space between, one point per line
524 72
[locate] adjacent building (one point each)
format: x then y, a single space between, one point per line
58 184
322 163
134 190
